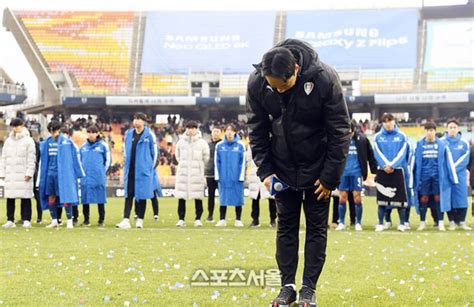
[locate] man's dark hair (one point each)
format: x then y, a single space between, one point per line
453 121
92 129
17 122
387 117
232 126
278 62
430 125
192 124
65 130
140 115
54 125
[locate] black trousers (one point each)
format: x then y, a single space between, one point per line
25 209
75 213
100 209
316 213
335 209
211 188
140 207
256 209
39 209
182 208
238 212
154 204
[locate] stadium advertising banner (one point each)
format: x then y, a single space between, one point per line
218 100
230 42
449 44
7 99
78 101
368 39
150 100
421 98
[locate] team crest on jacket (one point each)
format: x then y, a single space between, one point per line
308 87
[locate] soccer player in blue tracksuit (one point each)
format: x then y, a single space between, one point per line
96 160
454 197
140 157
60 168
390 150
230 175
430 153
355 172
155 204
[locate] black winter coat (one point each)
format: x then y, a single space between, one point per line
308 139
365 153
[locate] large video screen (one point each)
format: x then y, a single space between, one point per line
368 39
449 44
228 42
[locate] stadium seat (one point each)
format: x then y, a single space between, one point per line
94 47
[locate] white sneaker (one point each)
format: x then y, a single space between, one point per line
387 225
379 228
238 223
465 227
197 223
441 227
221 223
54 224
139 223
9 224
452 226
407 226
69 224
340 227
358 227
401 228
124 224
26 224
181 223
156 218
421 227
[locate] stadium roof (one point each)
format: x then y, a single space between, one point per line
205 5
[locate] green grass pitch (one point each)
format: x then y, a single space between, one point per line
92 266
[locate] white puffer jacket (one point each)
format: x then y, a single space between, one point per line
17 161
255 185
191 153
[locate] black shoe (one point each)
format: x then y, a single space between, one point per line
255 224
101 224
75 222
60 222
307 297
86 223
286 297
38 221
273 224
209 219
